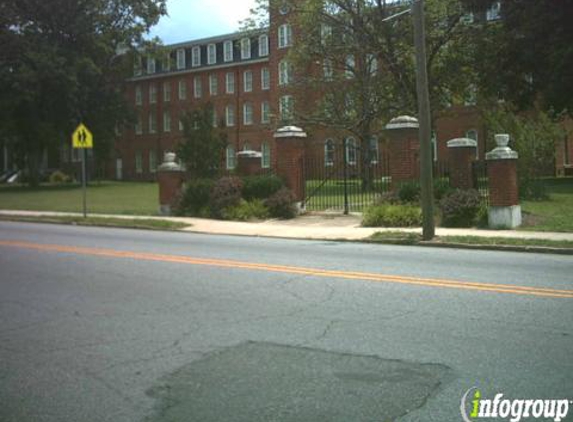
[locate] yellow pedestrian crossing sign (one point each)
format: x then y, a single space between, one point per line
82 137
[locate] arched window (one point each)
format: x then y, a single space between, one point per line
231 159
266 155
329 152
351 151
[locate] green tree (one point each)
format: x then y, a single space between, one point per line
64 61
202 149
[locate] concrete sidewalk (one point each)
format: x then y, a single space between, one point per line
312 226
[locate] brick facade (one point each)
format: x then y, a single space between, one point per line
503 189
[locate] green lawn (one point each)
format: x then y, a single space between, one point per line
555 214
102 197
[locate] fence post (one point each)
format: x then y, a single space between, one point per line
461 154
249 163
504 210
290 142
404 147
170 177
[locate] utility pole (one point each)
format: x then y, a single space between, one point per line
426 177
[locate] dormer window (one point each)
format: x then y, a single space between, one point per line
180 59
196 56
263 45
245 48
150 65
211 54
228 51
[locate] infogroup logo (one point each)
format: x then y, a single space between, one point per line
513 410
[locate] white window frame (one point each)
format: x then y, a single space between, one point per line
327 69
166 67
229 116
152 93
265 112
138 95
284 73
231 158
228 51
152 161
263 45
138 162
182 89
372 64
197 87
329 150
349 66
196 56
285 35
138 125
265 155
166 91
151 65
166 121
213 84
248 81
248 114
374 149
212 54
325 33
181 59
138 66
180 123
152 122
350 151
265 79
494 12
214 117
230 82
286 107
245 48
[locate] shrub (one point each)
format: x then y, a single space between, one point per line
441 188
261 187
246 210
58 177
226 193
392 216
409 192
194 197
281 204
460 208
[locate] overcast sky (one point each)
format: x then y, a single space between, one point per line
193 19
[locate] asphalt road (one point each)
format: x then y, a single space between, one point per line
124 325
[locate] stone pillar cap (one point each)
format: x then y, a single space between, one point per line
169 163
249 154
290 132
403 122
462 143
502 151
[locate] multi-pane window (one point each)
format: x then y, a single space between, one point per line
166 66
286 107
182 89
137 67
351 151
230 116
228 51
166 121
152 161
373 149
196 56
248 81
214 117
230 155
372 64
211 54
325 33
263 45
166 91
180 120
230 83
327 69
138 95
265 155
213 85
247 114
285 73
152 120
150 65
285 35
180 59
138 162
265 78
493 13
245 48
197 87
138 125
265 112
152 94
329 153
349 67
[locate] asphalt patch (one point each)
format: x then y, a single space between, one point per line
267 382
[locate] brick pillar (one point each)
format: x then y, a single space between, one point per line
290 142
504 210
461 154
403 149
170 177
249 163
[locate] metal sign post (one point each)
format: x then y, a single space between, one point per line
82 139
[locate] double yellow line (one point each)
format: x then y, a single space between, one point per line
316 272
